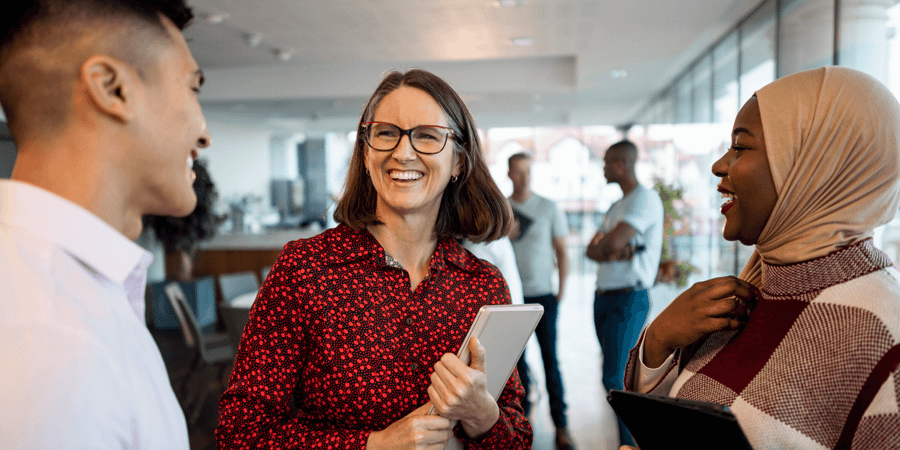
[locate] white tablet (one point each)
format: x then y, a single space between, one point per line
503 331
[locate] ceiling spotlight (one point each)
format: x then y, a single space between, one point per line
510 2
618 73
522 41
253 39
284 54
216 18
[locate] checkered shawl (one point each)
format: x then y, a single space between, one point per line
817 364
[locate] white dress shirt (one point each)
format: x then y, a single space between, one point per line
79 367
500 254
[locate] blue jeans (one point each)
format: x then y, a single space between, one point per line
619 317
546 337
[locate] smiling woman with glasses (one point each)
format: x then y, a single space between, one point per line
352 338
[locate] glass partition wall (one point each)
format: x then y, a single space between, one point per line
688 125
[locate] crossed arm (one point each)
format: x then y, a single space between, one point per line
612 246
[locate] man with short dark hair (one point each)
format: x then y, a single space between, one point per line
101 99
627 247
538 240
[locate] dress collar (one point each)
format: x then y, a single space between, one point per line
353 245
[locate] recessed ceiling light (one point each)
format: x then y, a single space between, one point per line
284 54
510 2
618 73
216 18
253 39
522 41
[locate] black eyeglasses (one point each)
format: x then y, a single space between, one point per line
425 139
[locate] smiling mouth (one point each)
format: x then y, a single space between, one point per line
729 201
405 175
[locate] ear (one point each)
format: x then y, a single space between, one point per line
459 163
109 83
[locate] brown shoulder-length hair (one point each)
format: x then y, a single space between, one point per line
472 207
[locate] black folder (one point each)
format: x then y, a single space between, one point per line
657 422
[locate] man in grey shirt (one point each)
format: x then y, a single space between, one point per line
539 237
627 247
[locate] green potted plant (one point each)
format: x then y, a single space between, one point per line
670 269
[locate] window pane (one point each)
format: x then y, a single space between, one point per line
684 88
725 89
758 50
863 37
807 35
703 91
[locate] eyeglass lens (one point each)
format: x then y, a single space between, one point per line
424 139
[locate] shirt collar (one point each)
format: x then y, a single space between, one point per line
79 232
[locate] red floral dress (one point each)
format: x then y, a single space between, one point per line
337 346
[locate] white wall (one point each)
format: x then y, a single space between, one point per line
239 161
283 155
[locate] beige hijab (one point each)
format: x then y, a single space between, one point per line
832 137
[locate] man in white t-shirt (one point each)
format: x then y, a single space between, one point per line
627 247
538 241
101 100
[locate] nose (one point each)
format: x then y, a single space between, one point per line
720 167
204 139
404 150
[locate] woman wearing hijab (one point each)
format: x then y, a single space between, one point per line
804 346
352 338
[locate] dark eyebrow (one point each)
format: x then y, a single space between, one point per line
740 130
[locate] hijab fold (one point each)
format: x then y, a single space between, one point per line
832 137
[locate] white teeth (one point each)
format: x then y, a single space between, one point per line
406 175
729 195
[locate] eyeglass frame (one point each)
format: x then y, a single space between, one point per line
408 134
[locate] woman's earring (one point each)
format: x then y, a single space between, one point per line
454 178
367 173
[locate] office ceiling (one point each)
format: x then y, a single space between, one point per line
338 51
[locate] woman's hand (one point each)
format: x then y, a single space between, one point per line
459 392
417 431
714 305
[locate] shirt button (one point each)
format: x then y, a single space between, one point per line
414 366
409 320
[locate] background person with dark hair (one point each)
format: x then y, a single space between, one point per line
180 236
539 237
352 338
627 248
101 101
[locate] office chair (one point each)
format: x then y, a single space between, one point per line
235 319
234 284
209 349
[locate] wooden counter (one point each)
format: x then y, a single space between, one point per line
229 253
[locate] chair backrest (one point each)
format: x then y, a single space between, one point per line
185 317
235 319
233 284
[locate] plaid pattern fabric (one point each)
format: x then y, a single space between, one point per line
817 364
